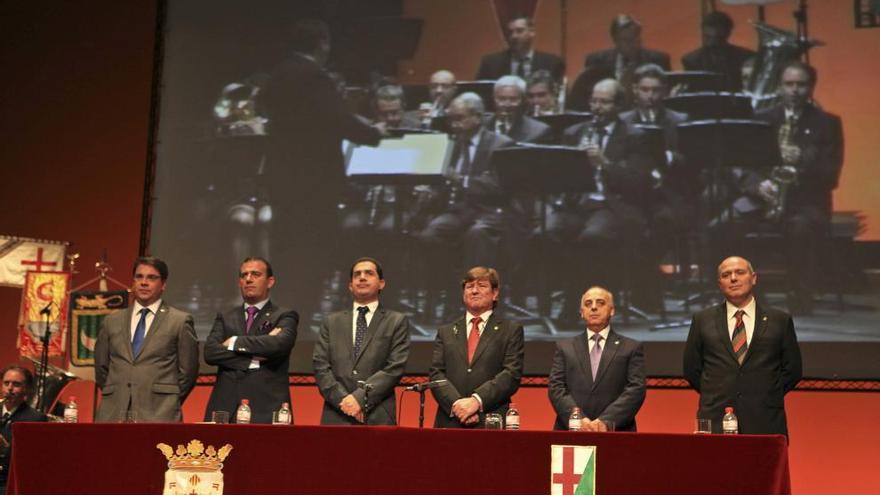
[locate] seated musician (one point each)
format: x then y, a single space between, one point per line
542 94
717 54
510 118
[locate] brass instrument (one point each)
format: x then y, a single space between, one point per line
785 175
592 137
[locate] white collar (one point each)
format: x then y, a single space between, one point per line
372 306
604 332
749 309
154 308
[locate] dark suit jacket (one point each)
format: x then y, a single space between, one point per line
24 412
629 174
756 390
618 391
678 178
526 130
820 137
726 59
601 65
155 382
266 387
493 375
484 190
495 65
380 363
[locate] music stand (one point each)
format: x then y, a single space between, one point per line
695 80
562 121
711 105
542 170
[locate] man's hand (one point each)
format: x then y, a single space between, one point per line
227 342
350 406
276 331
790 154
768 190
596 156
588 424
471 420
465 408
382 127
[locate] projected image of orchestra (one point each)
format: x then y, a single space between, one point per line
622 164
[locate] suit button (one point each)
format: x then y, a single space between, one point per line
355 372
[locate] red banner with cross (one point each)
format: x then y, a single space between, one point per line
43 303
19 255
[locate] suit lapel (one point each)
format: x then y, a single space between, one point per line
371 331
154 327
264 315
459 333
481 154
126 327
758 332
612 345
721 328
346 332
582 352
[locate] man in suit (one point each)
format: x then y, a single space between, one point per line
742 354
18 385
361 354
250 344
618 63
542 94
147 356
608 221
520 59
717 54
811 145
510 117
600 371
308 120
481 356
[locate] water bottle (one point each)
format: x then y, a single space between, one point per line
284 414
511 421
243 413
574 421
729 423
71 413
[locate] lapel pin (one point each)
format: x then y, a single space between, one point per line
616 342
455 329
495 328
764 319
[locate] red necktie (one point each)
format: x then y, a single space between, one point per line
739 337
474 338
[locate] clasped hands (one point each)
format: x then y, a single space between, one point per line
467 410
351 407
593 425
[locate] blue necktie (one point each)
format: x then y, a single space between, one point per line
360 329
138 341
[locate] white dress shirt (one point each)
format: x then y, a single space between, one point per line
604 333
136 317
354 316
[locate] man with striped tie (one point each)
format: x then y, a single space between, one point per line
743 355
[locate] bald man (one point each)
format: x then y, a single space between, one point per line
742 354
599 371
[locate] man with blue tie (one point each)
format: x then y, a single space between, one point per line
600 371
146 357
250 344
361 354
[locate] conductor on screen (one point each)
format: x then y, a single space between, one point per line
481 354
742 354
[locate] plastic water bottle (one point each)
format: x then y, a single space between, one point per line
243 413
511 421
284 414
574 421
71 413
729 423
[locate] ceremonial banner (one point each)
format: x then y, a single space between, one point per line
572 470
87 311
43 291
19 255
194 470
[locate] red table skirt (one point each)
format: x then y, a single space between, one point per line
123 458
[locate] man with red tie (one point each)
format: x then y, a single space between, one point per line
481 356
250 344
742 354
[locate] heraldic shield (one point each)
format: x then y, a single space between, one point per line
194 470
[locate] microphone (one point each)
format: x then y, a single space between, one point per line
48 309
364 385
419 387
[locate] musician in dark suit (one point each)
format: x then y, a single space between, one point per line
147 356
18 386
618 63
520 59
743 355
599 371
510 118
308 119
250 344
361 354
480 354
717 54
811 147
604 222
542 94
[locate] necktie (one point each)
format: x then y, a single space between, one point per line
464 158
596 353
5 418
360 329
521 68
474 338
140 330
739 337
251 315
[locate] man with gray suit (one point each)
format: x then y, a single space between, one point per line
146 357
600 371
250 344
361 354
480 354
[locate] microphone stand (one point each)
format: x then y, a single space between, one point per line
44 361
